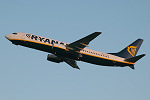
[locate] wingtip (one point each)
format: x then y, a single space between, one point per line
78 68
140 39
98 32
132 67
144 55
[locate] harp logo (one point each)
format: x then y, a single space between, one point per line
28 35
132 50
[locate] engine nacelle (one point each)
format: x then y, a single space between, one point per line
53 58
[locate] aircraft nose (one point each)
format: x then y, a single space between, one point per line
7 37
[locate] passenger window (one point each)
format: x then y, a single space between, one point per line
14 33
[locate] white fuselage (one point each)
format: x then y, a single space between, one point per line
30 38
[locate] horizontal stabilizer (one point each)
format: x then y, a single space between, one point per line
134 59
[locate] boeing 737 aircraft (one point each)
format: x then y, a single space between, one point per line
76 51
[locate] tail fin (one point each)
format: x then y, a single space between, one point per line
131 50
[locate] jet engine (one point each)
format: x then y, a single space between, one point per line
53 58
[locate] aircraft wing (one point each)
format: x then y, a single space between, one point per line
71 62
82 43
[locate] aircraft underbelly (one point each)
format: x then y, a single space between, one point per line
101 61
33 45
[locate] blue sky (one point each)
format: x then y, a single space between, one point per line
25 74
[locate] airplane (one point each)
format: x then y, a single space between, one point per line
77 51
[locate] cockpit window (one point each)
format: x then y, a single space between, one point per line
14 33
